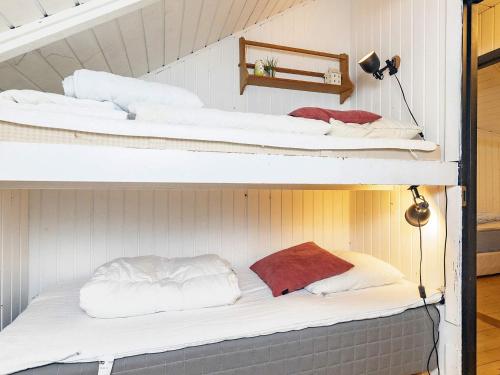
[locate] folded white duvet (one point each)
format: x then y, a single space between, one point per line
149 284
215 118
103 86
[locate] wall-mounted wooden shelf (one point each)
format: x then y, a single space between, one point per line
344 90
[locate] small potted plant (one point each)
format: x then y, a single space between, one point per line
270 66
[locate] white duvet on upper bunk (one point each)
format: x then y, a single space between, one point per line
216 118
104 86
31 100
45 119
54 329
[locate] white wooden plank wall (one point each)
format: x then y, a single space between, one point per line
488 157
415 30
72 232
378 227
133 44
488 171
213 74
13 254
489 26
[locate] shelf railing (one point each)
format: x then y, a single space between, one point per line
345 89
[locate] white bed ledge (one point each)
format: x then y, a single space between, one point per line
34 164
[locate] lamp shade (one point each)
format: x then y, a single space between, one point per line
370 63
418 214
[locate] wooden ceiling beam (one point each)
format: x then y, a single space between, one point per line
50 29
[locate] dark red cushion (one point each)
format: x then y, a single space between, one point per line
354 117
298 266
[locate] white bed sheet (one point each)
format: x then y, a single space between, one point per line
54 329
175 131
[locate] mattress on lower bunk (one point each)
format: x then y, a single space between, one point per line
79 130
54 329
395 345
488 237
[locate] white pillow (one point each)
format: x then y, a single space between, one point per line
382 128
367 272
149 284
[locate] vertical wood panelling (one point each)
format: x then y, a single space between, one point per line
417 31
379 229
20 12
34 67
73 232
86 49
132 32
213 71
488 172
489 29
13 254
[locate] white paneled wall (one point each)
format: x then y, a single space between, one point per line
13 254
489 27
72 232
378 227
488 172
213 74
425 33
427 36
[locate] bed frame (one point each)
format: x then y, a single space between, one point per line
394 345
488 251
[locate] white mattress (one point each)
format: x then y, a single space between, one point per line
98 125
54 329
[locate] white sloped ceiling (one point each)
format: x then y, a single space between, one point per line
131 45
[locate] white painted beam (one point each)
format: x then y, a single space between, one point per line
63 24
91 164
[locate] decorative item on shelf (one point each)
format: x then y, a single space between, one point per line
270 66
259 69
333 77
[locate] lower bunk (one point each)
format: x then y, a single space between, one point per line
395 345
377 330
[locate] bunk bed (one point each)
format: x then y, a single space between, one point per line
381 330
391 332
488 244
46 147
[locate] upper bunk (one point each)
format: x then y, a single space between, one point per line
51 148
54 140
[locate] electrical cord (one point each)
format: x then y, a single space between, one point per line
421 289
445 234
406 102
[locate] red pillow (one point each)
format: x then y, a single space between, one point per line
354 117
296 267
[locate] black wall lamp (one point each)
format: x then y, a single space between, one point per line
371 65
418 213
